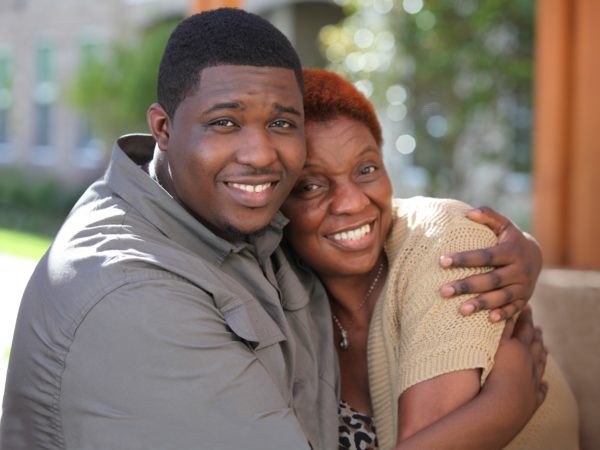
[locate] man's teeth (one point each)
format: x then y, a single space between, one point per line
351 235
251 187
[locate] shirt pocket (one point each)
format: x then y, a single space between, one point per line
294 287
249 321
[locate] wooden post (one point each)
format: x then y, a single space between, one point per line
197 6
567 133
583 243
551 126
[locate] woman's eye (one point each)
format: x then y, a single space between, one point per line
305 188
368 170
310 187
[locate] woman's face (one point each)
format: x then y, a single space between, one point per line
340 207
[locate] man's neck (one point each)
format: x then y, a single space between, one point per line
159 171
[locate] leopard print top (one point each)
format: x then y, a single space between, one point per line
357 430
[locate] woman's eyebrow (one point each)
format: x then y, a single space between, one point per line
368 149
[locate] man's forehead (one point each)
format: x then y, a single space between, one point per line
223 72
230 81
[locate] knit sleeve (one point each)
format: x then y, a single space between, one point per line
434 338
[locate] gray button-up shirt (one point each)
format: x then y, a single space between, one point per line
141 329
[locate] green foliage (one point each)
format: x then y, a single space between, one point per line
42 193
466 63
38 205
114 90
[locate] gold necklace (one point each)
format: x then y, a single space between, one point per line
344 343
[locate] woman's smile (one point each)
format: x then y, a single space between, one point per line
340 207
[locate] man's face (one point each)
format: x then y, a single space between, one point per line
235 147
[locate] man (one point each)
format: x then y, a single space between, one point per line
165 315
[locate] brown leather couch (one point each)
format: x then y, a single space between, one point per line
566 304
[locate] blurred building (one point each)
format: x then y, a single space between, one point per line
42 44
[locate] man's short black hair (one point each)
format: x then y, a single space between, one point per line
224 36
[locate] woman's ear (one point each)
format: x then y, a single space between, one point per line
159 124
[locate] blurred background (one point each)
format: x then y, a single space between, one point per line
496 103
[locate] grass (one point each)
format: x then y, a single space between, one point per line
23 244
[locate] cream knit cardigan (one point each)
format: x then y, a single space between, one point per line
416 335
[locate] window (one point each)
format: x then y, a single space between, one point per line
90 149
44 98
6 101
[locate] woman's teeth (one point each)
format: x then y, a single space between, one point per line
351 235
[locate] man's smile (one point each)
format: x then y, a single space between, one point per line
252 194
251 187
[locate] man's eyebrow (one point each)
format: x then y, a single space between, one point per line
287 109
226 105
235 105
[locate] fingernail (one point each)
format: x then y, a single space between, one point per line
467 308
445 261
447 291
495 317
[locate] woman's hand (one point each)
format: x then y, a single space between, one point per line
516 379
517 261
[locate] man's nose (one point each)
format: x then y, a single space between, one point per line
257 149
348 198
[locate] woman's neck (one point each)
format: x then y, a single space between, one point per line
352 299
348 293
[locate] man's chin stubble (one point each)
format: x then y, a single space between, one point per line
237 235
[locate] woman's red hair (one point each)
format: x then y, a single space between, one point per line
327 95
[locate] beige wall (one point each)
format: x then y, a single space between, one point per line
65 25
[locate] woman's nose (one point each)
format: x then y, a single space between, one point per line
348 198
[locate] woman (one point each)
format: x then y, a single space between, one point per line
406 357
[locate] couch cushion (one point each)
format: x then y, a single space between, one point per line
566 304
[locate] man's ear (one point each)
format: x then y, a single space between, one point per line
159 124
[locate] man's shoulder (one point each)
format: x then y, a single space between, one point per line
98 232
102 246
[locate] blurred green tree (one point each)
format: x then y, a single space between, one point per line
451 78
114 88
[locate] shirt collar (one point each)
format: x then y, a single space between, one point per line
128 179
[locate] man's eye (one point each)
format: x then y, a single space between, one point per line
226 123
280 123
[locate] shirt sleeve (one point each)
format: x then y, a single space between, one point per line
154 365
434 337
